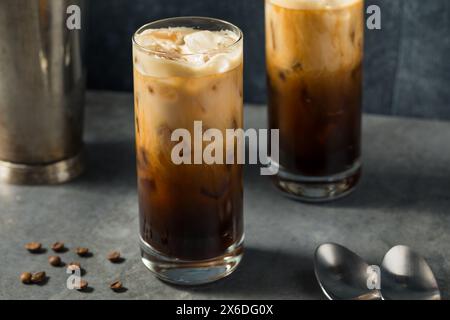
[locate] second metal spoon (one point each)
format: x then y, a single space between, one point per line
407 276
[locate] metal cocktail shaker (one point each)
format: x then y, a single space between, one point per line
42 84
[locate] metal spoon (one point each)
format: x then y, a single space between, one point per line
342 274
407 276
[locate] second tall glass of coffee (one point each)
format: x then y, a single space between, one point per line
314 65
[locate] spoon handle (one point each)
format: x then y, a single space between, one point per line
375 295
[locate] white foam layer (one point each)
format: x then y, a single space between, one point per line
313 4
186 52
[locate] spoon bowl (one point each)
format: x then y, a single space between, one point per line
342 274
407 276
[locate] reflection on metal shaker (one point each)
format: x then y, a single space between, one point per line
42 84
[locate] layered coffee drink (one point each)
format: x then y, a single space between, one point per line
188 70
314 65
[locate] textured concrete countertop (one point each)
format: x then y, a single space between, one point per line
404 198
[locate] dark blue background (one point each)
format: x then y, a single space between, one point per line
407 69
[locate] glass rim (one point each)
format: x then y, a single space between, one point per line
174 19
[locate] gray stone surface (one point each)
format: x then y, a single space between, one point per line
404 198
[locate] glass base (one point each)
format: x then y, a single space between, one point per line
318 189
54 173
191 273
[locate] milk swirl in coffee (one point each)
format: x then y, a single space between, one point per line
182 75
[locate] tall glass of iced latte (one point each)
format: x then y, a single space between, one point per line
314 65
186 71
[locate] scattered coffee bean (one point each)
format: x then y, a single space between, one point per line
82 252
114 256
25 277
58 247
38 277
74 265
54 261
33 247
83 285
116 286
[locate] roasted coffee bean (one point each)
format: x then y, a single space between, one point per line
83 285
25 277
82 252
116 286
114 256
38 277
33 247
54 261
74 266
58 247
